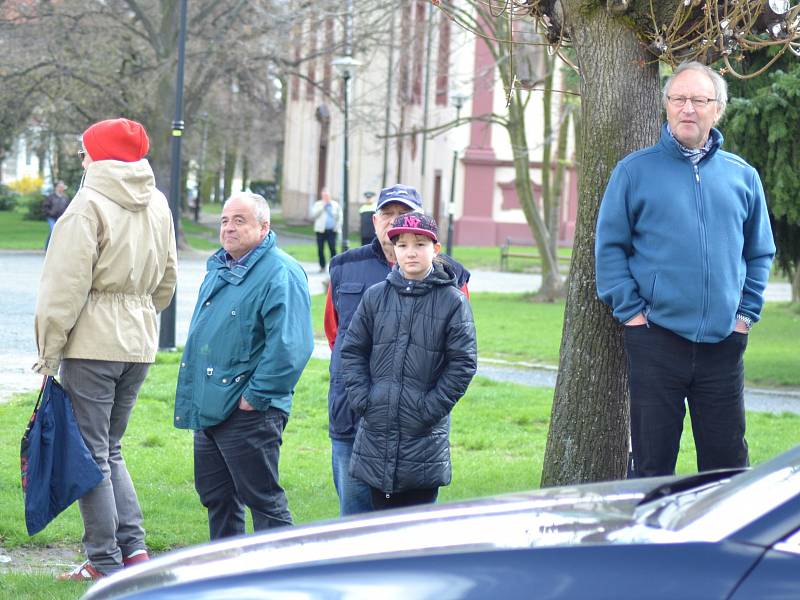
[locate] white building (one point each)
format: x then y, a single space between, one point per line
21 161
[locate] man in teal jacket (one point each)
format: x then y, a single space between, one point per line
683 254
249 340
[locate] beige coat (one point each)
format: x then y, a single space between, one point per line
319 216
110 268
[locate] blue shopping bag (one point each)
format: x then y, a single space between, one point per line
57 467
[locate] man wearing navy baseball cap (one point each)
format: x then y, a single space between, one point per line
403 194
351 273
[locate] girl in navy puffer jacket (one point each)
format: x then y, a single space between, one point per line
409 355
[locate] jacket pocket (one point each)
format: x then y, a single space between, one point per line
220 395
412 413
240 326
375 411
348 298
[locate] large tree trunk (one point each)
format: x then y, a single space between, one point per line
588 438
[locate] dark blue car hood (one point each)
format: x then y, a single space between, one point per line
601 513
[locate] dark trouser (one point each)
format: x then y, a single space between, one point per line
382 500
103 394
664 370
329 236
236 465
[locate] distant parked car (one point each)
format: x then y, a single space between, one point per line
722 534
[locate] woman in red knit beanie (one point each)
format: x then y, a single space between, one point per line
116 139
108 272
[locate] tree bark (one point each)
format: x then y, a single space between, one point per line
588 437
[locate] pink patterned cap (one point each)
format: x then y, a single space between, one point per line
416 223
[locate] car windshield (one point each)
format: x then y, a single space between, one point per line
712 512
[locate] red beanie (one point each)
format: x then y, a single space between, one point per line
116 139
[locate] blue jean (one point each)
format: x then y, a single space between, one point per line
236 465
354 495
52 223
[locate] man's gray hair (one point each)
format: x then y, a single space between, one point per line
720 87
257 201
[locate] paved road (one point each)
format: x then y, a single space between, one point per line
21 272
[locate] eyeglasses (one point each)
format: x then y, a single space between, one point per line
697 101
81 154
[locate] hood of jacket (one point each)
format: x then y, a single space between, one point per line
128 184
109 269
442 274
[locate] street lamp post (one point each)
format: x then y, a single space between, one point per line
346 67
458 99
166 335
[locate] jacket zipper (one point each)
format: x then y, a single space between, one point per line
703 249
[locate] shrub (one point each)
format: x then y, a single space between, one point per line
33 207
27 185
268 189
8 198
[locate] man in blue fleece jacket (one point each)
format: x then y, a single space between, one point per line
683 253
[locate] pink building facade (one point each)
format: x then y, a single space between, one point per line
481 222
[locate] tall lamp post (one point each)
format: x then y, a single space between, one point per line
458 99
346 66
166 335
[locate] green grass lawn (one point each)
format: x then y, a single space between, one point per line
772 357
18 234
512 327
198 236
499 431
165 487
483 257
